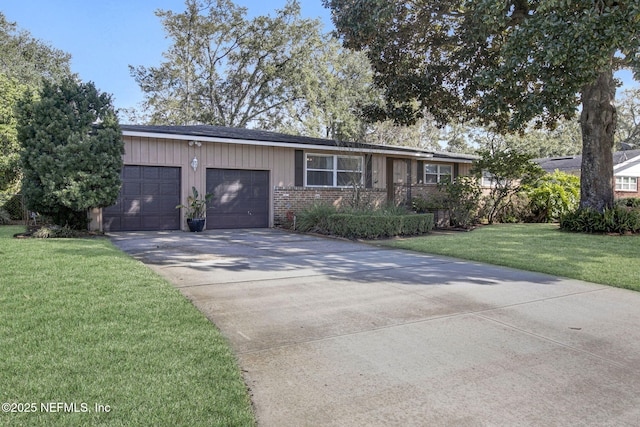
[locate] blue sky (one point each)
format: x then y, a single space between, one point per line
104 37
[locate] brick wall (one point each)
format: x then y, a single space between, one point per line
295 199
426 191
624 194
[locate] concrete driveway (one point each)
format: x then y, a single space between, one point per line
336 333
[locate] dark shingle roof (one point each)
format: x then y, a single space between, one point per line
573 164
623 156
261 135
567 164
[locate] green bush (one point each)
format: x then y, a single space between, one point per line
375 226
417 224
515 211
632 202
435 201
315 218
55 232
619 219
5 218
553 196
462 200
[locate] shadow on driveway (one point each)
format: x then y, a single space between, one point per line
332 332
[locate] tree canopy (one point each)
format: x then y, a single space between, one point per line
227 70
25 62
71 151
27 59
628 125
502 63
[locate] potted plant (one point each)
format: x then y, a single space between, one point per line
196 209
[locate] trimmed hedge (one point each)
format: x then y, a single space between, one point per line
354 226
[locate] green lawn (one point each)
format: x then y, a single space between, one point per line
609 260
82 323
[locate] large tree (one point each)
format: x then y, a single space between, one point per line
340 84
27 59
628 129
503 63
71 151
25 62
227 70
10 92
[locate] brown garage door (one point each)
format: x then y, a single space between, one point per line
241 198
147 200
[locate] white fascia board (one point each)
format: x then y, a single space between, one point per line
418 156
626 164
632 169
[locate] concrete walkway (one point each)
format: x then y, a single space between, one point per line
335 333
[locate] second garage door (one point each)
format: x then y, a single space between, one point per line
241 198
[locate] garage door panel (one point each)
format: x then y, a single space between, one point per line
131 188
147 200
131 206
131 172
170 188
241 198
150 188
151 173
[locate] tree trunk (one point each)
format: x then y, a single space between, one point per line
598 122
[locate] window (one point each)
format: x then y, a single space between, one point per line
333 170
434 173
489 179
626 183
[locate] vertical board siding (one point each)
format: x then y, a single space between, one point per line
279 161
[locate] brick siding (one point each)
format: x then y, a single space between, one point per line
295 199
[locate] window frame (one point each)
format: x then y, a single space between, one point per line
438 174
334 171
621 181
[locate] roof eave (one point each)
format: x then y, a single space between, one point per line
213 139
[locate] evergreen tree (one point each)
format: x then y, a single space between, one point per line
72 151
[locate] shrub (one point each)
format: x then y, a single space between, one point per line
315 218
55 232
619 219
510 172
516 210
553 196
462 200
5 218
375 226
632 202
44 233
435 201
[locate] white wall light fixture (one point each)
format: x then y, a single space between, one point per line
194 161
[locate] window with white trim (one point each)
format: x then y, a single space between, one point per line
323 170
435 173
626 183
488 179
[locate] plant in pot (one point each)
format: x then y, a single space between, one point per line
196 209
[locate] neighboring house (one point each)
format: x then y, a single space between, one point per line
258 178
626 170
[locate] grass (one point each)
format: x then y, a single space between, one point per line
604 259
83 323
